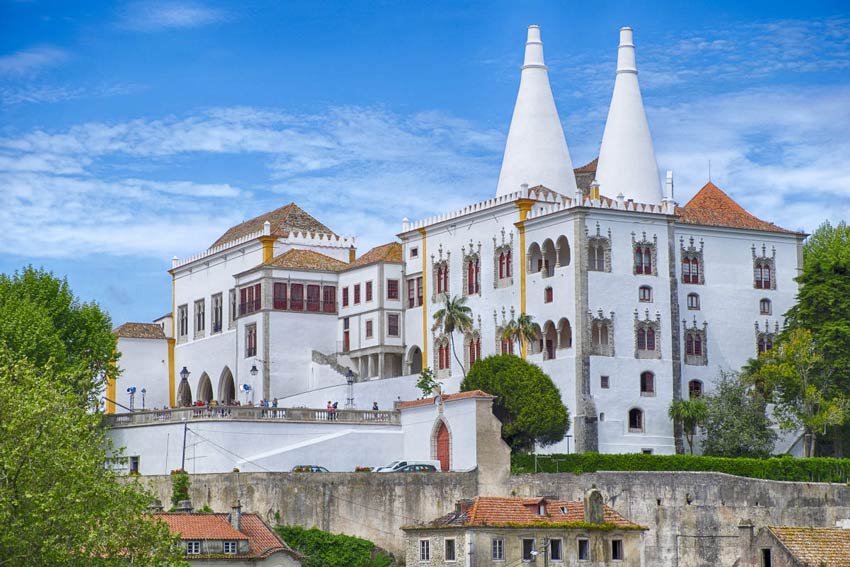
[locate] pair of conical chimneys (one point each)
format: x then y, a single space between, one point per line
536 152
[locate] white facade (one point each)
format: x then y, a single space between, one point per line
604 269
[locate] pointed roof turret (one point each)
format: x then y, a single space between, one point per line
536 151
626 159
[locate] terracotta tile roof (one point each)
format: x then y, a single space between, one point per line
139 331
306 260
588 167
286 219
585 175
262 540
520 512
446 398
816 546
712 207
390 252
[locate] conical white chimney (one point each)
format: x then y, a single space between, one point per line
626 159
536 151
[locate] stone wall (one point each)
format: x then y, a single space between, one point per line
692 517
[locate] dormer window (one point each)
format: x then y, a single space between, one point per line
193 547
231 547
541 509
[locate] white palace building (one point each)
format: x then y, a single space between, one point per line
638 300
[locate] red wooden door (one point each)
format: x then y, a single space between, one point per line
443 453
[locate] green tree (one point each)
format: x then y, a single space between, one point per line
427 383
799 383
690 413
453 316
42 320
61 501
323 549
527 401
521 330
735 424
823 307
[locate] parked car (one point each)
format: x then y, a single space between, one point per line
417 468
395 465
309 468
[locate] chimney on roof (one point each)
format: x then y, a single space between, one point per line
236 516
174 261
352 254
405 224
463 506
668 193
593 507
536 149
155 506
184 506
267 228
594 190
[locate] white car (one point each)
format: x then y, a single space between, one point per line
395 465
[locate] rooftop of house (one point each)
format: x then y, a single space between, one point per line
499 511
262 540
445 398
816 546
712 207
139 331
284 220
306 260
390 252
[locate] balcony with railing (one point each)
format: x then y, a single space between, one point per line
253 413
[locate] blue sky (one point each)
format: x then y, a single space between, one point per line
131 132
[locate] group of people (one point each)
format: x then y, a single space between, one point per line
333 406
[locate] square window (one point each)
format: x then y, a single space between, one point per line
528 549
134 464
497 547
646 451
450 551
424 550
392 289
604 382
583 549
617 549
414 252
644 293
556 550
193 547
231 547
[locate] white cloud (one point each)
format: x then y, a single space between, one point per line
29 62
153 16
46 93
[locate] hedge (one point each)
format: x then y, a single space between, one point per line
323 549
774 468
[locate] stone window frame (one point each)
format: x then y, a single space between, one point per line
497 549
642 417
424 549
647 392
182 323
765 306
233 306
648 290
560 558
586 540
397 317
598 242
454 549
695 333
474 335
522 541
474 255
216 313
653 254
695 389
693 305
615 545
646 325
437 263
250 350
762 262
692 253
442 341
506 248
606 322
767 335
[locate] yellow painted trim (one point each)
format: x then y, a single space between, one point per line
524 206
268 247
110 388
171 379
424 252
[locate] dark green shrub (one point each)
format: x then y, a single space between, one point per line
323 549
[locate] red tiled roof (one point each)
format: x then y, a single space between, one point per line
386 253
286 219
262 540
306 260
588 167
446 398
712 207
139 331
518 512
816 546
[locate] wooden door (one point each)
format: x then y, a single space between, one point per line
443 447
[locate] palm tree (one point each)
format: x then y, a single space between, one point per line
454 316
690 413
521 330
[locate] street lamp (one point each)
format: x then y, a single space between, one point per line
254 370
184 374
144 391
132 391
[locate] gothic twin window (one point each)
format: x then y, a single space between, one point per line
696 346
645 256
601 334
599 251
764 268
441 277
472 347
764 342
442 354
647 336
471 270
692 262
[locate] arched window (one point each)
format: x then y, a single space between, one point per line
645 293
647 384
565 334
693 301
508 265
694 389
563 251
641 339
534 258
765 307
474 350
765 342
690 270
635 420
502 265
473 274
763 272
643 260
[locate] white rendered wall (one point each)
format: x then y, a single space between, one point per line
420 423
143 364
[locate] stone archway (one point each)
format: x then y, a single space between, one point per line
205 391
414 360
226 387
